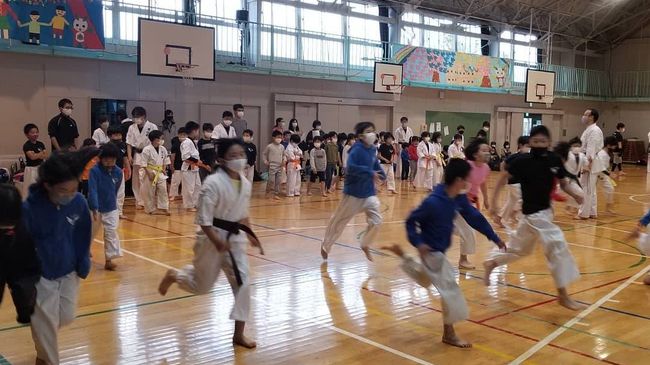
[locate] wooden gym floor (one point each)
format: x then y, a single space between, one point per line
351 311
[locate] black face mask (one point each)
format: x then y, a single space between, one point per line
538 151
461 131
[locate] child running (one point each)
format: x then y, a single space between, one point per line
535 172
223 217
430 228
359 193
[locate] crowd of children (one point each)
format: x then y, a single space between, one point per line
215 171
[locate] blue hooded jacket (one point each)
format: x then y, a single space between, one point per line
360 172
61 233
432 223
102 188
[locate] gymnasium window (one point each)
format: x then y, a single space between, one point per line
108 23
524 56
467 44
365 41
226 9
283 19
326 45
439 40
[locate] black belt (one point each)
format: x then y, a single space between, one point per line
233 228
137 150
574 178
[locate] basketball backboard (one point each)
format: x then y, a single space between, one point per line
163 46
388 78
540 86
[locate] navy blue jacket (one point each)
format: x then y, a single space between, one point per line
102 188
360 171
432 223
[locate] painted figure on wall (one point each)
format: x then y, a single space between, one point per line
34 27
439 62
501 73
80 26
59 22
5 12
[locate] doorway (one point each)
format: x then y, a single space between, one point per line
530 120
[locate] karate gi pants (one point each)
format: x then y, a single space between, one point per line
120 197
249 172
191 187
29 177
437 270
512 206
56 302
156 195
112 247
540 227
589 206
574 187
608 187
136 184
349 207
293 181
390 176
177 177
424 178
202 274
466 234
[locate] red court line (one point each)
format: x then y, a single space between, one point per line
549 300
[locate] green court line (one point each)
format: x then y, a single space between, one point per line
4 361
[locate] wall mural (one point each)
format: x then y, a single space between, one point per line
72 23
453 68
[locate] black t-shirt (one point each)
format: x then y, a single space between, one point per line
536 173
36 147
64 129
619 138
207 151
121 146
125 129
508 161
176 151
386 151
251 153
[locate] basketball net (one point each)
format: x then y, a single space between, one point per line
186 73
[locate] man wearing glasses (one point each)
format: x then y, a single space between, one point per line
63 129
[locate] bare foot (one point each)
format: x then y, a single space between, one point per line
122 216
244 341
569 303
191 210
464 264
109 265
456 341
323 253
394 248
167 281
275 197
579 218
393 192
325 195
488 266
498 222
646 280
159 212
366 250
309 193
139 207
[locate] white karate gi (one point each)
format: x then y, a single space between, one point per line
604 178
592 143
293 155
456 152
30 175
536 227
439 169
575 166
112 247
347 209
512 207
220 132
177 176
426 168
219 199
191 182
138 139
155 194
100 137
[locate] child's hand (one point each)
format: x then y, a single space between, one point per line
502 246
127 173
424 250
95 216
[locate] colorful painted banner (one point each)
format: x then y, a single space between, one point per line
453 68
71 23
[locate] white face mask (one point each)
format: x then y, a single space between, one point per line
67 112
240 114
237 165
317 144
576 150
525 150
334 140
162 142
294 124
182 139
438 140
227 122
139 121
585 119
247 139
427 139
487 129
318 127
278 140
207 135
369 138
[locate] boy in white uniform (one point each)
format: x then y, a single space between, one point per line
137 138
156 158
603 175
100 135
223 218
225 128
575 163
191 181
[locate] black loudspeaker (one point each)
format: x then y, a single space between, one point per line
242 15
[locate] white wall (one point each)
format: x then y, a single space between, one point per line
33 84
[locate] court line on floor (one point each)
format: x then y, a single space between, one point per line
555 334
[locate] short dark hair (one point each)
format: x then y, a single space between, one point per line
425 134
457 136
332 134
28 127
286 133
113 130
562 149
315 123
138 111
168 112
342 136
460 127
207 127
473 147
436 135
88 142
237 106
34 12
575 140
595 114
226 114
610 141
522 140
317 139
154 135
278 121
109 150
351 136
389 135
506 143
66 166
224 144
620 125
191 126
456 169
414 139
248 131
276 134
181 130
294 138
540 129
63 102
11 203
362 126
102 118
481 134
486 124
60 7
403 119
